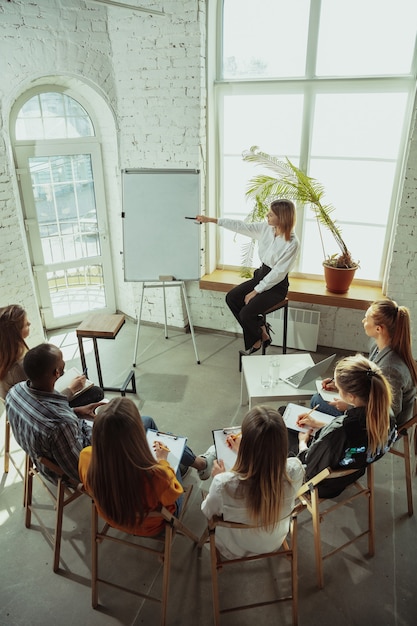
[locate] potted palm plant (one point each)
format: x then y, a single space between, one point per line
290 182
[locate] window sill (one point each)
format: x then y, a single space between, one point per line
306 290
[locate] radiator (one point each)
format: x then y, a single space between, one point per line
303 328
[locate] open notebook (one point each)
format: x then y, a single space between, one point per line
67 377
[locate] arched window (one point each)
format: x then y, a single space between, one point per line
59 167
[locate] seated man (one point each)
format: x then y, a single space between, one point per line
44 424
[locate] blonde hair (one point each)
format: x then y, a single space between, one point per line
362 378
121 463
285 212
396 320
261 464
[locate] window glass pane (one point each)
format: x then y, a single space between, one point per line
269 121
65 207
76 290
265 38
360 38
358 124
53 116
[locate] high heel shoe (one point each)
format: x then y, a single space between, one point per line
267 342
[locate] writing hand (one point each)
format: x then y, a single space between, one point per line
77 383
218 467
328 384
233 441
161 450
306 421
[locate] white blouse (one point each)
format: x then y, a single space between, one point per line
221 500
273 251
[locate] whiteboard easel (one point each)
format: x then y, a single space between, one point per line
163 284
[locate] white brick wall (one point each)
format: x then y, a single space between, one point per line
144 75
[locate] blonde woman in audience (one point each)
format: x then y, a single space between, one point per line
259 490
352 440
122 475
388 324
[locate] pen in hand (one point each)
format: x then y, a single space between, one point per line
301 419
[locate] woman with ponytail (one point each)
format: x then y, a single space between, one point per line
360 436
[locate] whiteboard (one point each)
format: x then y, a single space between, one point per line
157 240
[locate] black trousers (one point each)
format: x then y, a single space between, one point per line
250 316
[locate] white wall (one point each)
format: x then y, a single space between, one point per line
144 75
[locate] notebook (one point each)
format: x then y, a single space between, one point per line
223 452
304 376
67 377
292 411
175 444
329 396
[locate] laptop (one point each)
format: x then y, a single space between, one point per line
304 376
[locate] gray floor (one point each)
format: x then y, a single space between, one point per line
193 399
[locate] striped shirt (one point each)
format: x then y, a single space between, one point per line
44 424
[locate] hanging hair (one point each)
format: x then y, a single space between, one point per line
261 464
285 211
12 344
396 320
362 378
121 463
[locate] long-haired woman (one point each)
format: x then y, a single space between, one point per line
121 473
388 324
14 330
360 436
277 248
259 490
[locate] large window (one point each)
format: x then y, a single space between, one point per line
329 84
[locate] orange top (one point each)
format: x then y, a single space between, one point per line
165 490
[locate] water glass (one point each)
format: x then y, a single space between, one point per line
274 370
266 379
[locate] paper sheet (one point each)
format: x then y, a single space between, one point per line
226 454
292 411
175 444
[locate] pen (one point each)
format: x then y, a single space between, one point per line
189 218
85 371
310 412
163 447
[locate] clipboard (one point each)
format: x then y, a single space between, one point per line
292 411
223 452
175 444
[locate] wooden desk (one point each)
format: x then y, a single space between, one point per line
103 326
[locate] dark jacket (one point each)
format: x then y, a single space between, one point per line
342 444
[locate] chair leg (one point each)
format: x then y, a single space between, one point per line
167 565
315 514
94 557
58 523
6 445
407 462
294 571
284 338
28 491
371 510
214 581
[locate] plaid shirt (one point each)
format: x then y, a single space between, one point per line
44 424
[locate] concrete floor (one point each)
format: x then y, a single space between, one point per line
193 399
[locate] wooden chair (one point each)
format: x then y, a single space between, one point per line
7 456
288 550
406 433
65 492
160 546
280 305
309 498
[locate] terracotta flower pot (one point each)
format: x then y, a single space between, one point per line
338 279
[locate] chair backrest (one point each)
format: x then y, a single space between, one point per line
287 550
309 499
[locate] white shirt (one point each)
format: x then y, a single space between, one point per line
221 500
273 251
